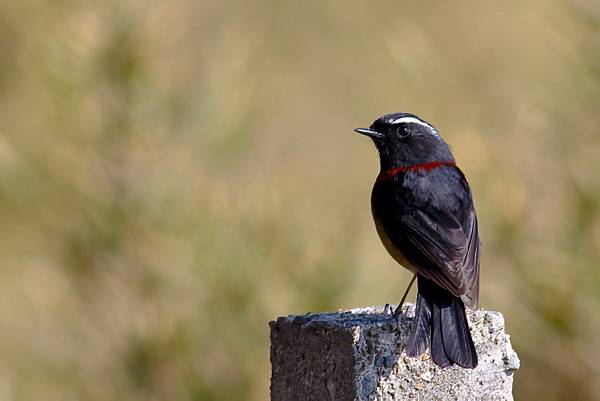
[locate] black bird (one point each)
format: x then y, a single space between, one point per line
424 214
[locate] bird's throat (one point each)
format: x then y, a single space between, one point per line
391 173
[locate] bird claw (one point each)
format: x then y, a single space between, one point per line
387 309
399 315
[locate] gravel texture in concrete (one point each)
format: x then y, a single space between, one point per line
359 355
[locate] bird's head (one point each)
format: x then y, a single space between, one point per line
403 139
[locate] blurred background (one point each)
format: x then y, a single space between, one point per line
173 175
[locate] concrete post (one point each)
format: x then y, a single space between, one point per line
359 355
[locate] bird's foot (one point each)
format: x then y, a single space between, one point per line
387 309
398 311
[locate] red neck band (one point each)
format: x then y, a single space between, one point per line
389 174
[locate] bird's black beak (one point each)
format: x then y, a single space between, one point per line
369 132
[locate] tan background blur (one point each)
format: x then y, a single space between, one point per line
175 174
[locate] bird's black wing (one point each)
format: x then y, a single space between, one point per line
444 251
437 234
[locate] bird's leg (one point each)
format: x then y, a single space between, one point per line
398 310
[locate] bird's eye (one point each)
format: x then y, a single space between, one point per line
402 131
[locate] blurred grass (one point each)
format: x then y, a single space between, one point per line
173 175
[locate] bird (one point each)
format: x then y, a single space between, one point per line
424 214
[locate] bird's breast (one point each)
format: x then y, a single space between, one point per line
377 203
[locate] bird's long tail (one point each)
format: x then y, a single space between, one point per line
441 325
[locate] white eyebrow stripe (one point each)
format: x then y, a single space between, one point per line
413 120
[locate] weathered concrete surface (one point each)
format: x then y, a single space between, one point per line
359 355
